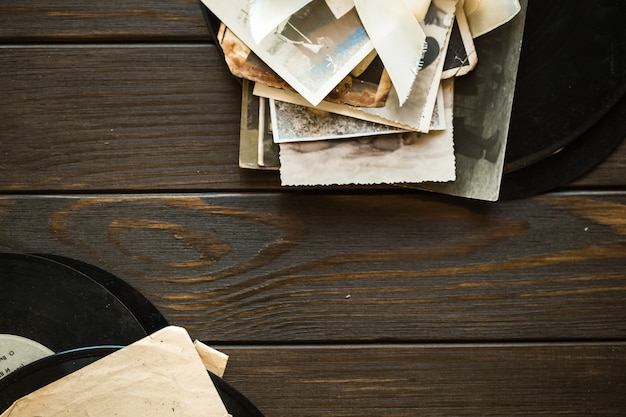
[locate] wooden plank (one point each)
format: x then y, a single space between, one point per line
455 380
348 267
81 20
88 117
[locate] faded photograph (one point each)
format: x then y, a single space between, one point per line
482 110
461 56
395 158
251 128
268 148
294 123
417 111
312 51
367 85
248 128
323 44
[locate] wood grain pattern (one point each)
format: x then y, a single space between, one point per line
344 268
118 146
127 118
117 118
80 21
432 380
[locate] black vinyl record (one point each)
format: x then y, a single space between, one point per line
568 110
47 370
144 311
60 307
82 313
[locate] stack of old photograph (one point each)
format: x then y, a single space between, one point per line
342 92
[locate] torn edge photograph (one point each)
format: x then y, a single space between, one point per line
294 123
312 50
396 158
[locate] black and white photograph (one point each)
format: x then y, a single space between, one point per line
312 50
482 107
294 123
417 110
398 158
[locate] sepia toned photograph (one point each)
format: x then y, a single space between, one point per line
396 158
482 108
367 85
417 111
294 123
461 56
267 147
312 50
251 127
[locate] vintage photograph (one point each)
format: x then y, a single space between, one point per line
268 148
367 85
250 130
482 108
416 112
401 45
461 56
262 90
312 51
396 158
294 123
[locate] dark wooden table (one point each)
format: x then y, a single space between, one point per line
119 147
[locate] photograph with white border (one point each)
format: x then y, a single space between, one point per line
312 50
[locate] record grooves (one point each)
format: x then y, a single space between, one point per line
71 314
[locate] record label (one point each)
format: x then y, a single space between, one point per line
17 351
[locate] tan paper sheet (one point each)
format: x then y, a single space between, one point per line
485 15
159 375
213 360
264 16
401 45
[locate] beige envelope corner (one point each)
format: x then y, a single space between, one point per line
159 375
214 360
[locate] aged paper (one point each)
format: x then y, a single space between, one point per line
485 15
160 375
419 8
417 110
243 63
213 360
354 112
294 98
266 15
340 7
461 56
268 150
398 38
249 128
396 158
294 123
367 85
312 51
482 110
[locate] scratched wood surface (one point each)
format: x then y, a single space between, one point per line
118 147
112 21
272 268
